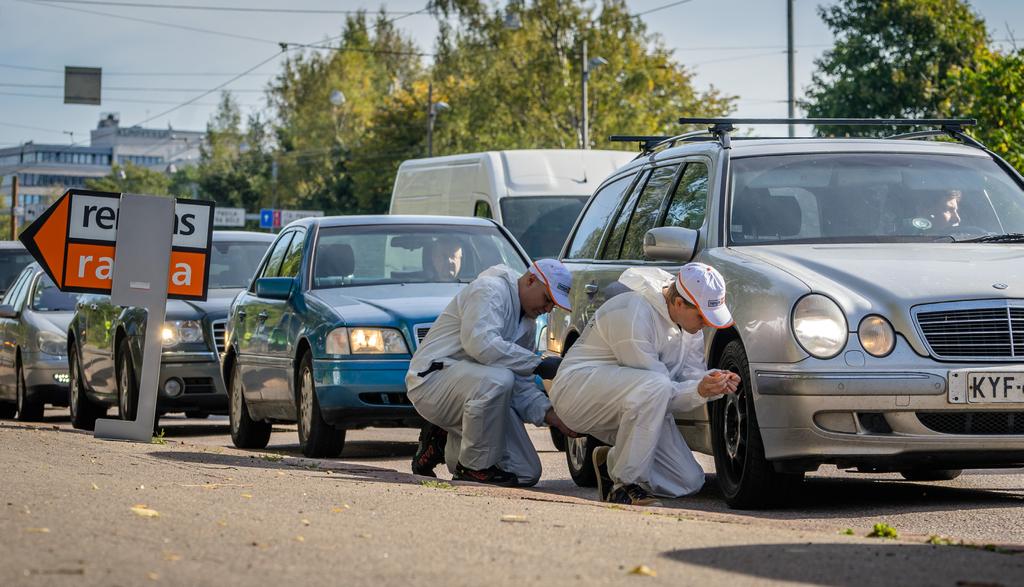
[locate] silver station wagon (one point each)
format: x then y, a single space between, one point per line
877 287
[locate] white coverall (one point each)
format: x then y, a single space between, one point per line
623 379
486 390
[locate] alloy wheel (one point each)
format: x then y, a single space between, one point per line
306 392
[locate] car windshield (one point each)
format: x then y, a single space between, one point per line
12 261
370 255
877 197
48 298
541 223
233 264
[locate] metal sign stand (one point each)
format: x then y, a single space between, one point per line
145 228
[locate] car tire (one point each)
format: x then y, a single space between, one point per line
746 478
127 386
931 474
317 438
197 414
30 409
579 456
558 439
8 410
245 432
84 411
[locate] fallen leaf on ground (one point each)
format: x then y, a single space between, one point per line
514 519
153 576
222 523
95 487
247 495
305 522
172 556
144 511
38 530
643 570
300 539
341 509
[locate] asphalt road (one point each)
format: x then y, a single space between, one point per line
233 517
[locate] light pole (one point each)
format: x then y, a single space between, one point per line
585 66
432 109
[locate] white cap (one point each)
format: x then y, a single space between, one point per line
557 279
704 286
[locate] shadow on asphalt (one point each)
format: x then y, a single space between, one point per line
860 564
266 460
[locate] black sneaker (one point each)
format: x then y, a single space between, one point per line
633 495
604 480
490 476
430 451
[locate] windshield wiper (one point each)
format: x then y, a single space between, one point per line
1010 237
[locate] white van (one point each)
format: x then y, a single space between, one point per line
536 194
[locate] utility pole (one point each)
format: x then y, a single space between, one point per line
14 205
430 119
585 73
791 101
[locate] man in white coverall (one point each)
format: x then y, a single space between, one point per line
473 377
640 359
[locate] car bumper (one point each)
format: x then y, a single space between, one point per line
200 379
361 393
46 377
909 412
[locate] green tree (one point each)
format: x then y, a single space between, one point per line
236 166
990 91
519 88
891 58
131 178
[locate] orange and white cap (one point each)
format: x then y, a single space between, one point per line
558 280
704 286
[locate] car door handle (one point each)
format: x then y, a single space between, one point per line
590 288
261 316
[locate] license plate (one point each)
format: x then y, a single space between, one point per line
995 388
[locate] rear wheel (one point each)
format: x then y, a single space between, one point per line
30 409
84 411
316 437
558 439
931 474
8 410
127 386
746 478
579 455
245 432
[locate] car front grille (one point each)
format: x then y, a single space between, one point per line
982 423
219 333
385 399
421 331
199 385
989 330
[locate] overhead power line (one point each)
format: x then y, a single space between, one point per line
224 8
125 88
669 5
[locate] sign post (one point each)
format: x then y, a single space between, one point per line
165 247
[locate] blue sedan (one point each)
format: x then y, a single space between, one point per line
324 334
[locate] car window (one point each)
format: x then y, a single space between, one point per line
18 301
47 298
482 210
293 259
595 219
11 294
273 266
12 261
404 253
689 202
618 230
232 263
648 209
541 223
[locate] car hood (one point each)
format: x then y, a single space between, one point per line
215 306
383 305
903 274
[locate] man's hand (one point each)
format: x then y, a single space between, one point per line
552 419
718 383
548 367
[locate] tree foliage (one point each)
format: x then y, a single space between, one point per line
892 58
990 91
131 178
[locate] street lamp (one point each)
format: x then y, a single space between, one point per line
586 66
433 108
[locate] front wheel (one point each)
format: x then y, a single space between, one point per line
29 409
127 386
316 437
84 411
579 455
245 432
746 478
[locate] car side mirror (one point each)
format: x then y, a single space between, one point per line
7 311
670 243
274 288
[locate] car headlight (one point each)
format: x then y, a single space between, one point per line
366 341
819 325
876 336
542 340
177 332
51 343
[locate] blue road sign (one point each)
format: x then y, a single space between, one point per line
267 218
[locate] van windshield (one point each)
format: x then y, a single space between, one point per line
541 223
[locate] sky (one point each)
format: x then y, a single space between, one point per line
737 46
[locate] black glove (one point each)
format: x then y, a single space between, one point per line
548 367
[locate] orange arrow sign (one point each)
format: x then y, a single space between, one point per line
74 241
